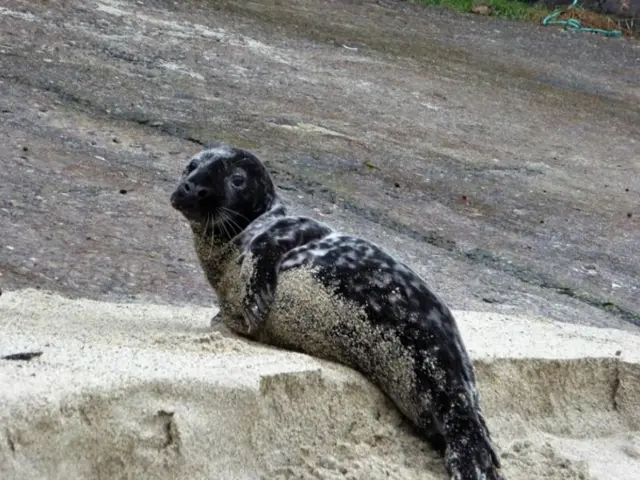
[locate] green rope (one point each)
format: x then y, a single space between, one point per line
574 24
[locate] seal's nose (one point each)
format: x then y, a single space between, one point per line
185 189
190 189
187 193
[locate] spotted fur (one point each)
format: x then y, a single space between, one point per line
294 282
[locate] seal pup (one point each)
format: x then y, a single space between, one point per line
295 283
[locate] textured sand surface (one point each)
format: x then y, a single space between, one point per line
151 391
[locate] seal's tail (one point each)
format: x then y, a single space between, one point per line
469 454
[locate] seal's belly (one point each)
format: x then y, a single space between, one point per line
307 317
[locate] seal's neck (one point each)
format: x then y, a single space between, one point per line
275 210
217 242
227 226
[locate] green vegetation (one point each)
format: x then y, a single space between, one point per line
511 9
520 10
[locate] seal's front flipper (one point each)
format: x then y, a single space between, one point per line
216 319
263 260
255 311
264 257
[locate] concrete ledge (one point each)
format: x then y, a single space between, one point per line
150 391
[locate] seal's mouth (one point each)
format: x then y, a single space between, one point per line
175 202
185 204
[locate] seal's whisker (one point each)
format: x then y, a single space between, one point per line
235 213
203 234
221 221
233 223
213 233
224 219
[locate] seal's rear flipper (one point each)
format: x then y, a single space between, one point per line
470 454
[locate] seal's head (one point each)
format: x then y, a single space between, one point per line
225 187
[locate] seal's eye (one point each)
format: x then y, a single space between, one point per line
237 181
193 164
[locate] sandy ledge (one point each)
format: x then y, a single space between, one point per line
150 391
